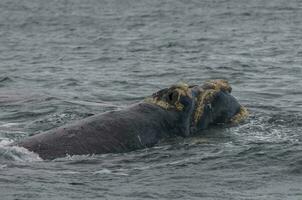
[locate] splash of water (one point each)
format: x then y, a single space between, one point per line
8 152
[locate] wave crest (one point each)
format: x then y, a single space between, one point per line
8 152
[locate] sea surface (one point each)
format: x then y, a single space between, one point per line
63 60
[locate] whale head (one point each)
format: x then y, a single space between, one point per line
200 105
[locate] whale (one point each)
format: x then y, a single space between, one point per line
181 110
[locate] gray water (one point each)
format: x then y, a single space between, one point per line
61 61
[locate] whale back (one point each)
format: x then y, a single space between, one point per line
136 127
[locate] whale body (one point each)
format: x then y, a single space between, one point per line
180 110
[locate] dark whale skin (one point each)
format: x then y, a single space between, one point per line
139 126
223 107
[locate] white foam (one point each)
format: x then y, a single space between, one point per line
5 141
16 153
8 125
103 171
255 132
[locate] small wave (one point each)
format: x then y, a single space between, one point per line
286 119
89 103
3 166
296 167
261 129
15 153
8 125
5 79
107 171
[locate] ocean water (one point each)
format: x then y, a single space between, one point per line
61 61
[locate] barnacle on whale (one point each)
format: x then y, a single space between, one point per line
169 98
